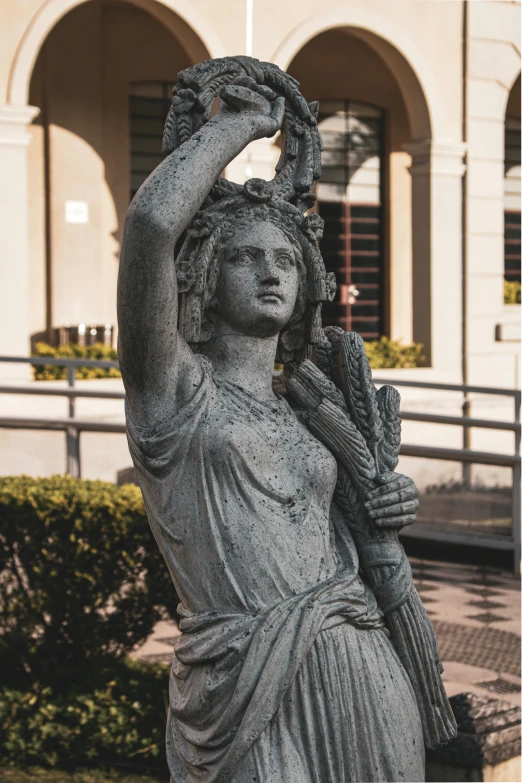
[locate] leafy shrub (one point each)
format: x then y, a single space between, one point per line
81 577
119 718
78 775
511 292
50 372
385 353
382 353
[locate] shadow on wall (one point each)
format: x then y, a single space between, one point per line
81 154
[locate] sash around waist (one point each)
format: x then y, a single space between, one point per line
231 670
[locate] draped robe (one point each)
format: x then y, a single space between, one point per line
284 670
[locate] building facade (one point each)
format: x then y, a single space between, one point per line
420 115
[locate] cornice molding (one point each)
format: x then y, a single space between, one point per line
14 119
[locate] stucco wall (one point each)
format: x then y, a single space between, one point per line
493 65
81 83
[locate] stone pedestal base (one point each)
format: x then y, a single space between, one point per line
487 747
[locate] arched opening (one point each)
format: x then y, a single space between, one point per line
350 200
512 173
365 191
102 81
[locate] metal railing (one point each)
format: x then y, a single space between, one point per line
468 457
73 427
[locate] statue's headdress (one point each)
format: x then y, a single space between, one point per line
283 201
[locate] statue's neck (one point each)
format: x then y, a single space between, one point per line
243 359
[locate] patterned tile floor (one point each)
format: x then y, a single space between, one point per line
475 611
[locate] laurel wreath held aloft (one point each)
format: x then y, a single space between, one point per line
300 161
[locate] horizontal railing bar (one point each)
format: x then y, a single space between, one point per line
470 537
448 387
459 455
68 392
102 363
463 421
12 422
407 449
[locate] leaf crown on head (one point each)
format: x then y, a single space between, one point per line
282 201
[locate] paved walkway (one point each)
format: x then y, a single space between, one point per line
475 611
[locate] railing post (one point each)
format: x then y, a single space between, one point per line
518 396
71 380
466 441
516 518
73 452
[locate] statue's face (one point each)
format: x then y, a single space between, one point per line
258 281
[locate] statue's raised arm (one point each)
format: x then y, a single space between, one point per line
158 367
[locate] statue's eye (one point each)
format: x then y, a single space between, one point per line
285 260
243 258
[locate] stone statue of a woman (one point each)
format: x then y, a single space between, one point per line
305 654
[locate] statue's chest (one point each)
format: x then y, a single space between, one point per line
270 448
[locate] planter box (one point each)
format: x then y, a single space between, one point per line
487 747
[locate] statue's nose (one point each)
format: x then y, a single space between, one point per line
270 277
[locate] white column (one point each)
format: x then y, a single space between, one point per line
437 169
14 263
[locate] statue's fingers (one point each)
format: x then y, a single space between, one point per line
245 81
395 496
393 486
409 507
278 111
395 523
387 477
244 99
266 92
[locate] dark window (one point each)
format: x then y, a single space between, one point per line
350 202
149 103
512 200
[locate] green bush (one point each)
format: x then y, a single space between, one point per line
511 292
382 353
82 578
49 372
120 717
385 353
77 775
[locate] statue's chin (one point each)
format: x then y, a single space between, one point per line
266 322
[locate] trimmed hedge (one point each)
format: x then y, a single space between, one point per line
512 292
392 354
121 717
49 372
382 353
82 579
77 775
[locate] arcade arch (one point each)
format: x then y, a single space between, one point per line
178 16
95 80
512 188
369 230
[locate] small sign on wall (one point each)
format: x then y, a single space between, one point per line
76 212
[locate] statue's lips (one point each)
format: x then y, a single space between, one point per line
270 296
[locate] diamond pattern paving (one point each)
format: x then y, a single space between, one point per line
488 648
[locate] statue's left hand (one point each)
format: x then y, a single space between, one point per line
393 504
256 104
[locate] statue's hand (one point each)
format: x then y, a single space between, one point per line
394 504
256 104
